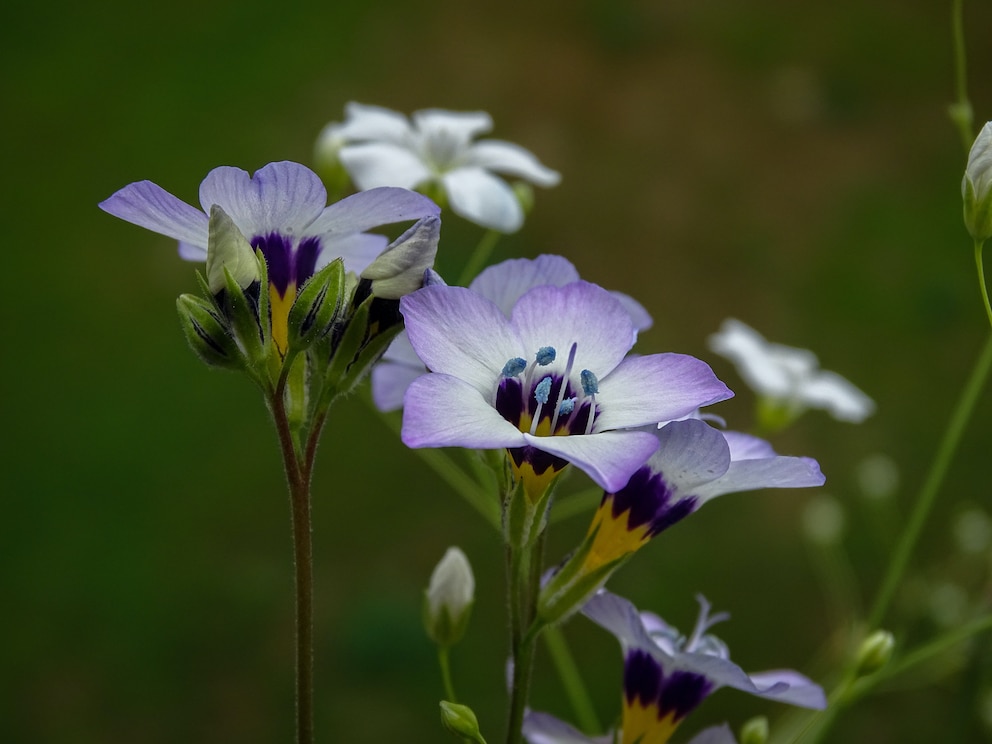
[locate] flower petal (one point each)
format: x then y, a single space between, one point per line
580 313
148 205
364 122
373 164
357 249
690 453
542 728
772 472
609 458
373 208
458 332
837 395
714 735
284 197
462 125
513 160
787 686
482 198
655 388
619 616
442 411
398 367
505 283
639 315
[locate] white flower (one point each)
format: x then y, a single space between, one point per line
380 147
789 376
449 598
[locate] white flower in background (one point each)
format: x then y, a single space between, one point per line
787 377
436 149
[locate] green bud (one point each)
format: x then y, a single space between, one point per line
755 731
400 268
461 721
976 187
317 305
449 598
875 652
208 333
228 249
525 195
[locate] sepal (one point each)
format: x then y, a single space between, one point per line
208 333
241 306
524 517
317 306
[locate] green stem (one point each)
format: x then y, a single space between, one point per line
444 661
979 245
521 643
298 477
479 257
571 680
961 112
928 493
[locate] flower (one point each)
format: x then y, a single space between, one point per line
693 464
787 377
504 284
449 598
541 728
666 675
380 147
550 383
976 186
282 211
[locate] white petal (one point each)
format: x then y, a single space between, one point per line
690 453
714 735
150 206
504 283
773 472
457 332
443 411
462 125
639 315
512 160
484 199
373 164
364 122
841 398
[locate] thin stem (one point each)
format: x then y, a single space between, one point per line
979 245
479 256
571 680
931 486
521 644
444 662
298 477
961 112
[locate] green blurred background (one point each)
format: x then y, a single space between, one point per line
788 164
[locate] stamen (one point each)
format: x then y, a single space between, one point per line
514 367
561 392
546 355
566 406
541 393
704 622
590 383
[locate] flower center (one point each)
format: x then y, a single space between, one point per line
543 402
442 150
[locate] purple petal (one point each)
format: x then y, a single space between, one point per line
482 198
690 453
639 316
542 728
373 208
150 206
506 282
513 160
581 313
788 686
357 249
281 197
714 735
772 472
609 458
619 616
375 164
443 411
655 388
746 446
457 332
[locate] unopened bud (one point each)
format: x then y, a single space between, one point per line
228 249
461 721
875 652
400 268
755 731
976 186
317 305
207 333
448 599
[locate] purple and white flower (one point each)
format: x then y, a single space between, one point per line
542 728
667 675
503 283
380 147
551 383
788 377
282 210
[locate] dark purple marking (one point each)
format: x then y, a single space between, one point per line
285 265
676 694
682 693
650 501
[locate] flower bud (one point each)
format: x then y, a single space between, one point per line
228 249
875 652
207 333
976 186
755 731
400 268
316 306
449 597
461 721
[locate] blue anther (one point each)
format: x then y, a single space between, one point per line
546 355
566 407
590 383
543 390
514 367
